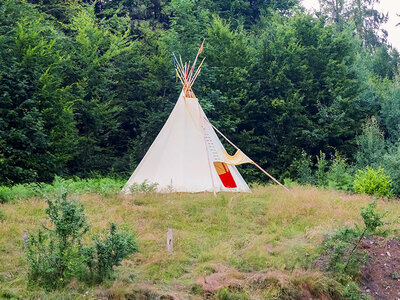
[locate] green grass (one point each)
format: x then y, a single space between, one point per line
265 241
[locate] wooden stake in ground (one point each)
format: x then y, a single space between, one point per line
25 238
170 242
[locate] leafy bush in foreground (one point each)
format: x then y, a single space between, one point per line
56 254
373 182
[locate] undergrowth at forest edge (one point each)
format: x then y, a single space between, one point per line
99 185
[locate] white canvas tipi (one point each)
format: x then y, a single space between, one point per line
187 155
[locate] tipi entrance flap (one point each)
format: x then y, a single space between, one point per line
225 174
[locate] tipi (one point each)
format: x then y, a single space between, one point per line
187 155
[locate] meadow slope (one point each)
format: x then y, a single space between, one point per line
261 245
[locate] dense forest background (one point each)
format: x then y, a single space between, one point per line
86 86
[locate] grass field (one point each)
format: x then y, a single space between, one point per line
233 246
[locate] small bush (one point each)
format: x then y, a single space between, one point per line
5 294
289 183
373 182
99 185
338 175
108 252
352 292
17 192
304 171
344 257
320 173
342 262
391 164
371 145
52 254
372 219
56 254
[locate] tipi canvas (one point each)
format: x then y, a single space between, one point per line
187 155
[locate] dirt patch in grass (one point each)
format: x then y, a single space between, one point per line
381 275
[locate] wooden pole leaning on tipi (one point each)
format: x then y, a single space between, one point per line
250 161
187 78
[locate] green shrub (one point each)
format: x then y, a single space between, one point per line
304 171
352 292
344 257
320 174
341 262
391 164
373 182
371 145
5 294
289 183
5 194
56 254
99 185
53 253
108 252
339 175
372 219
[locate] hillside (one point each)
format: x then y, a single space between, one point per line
235 246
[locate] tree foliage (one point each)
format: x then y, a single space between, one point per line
85 87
